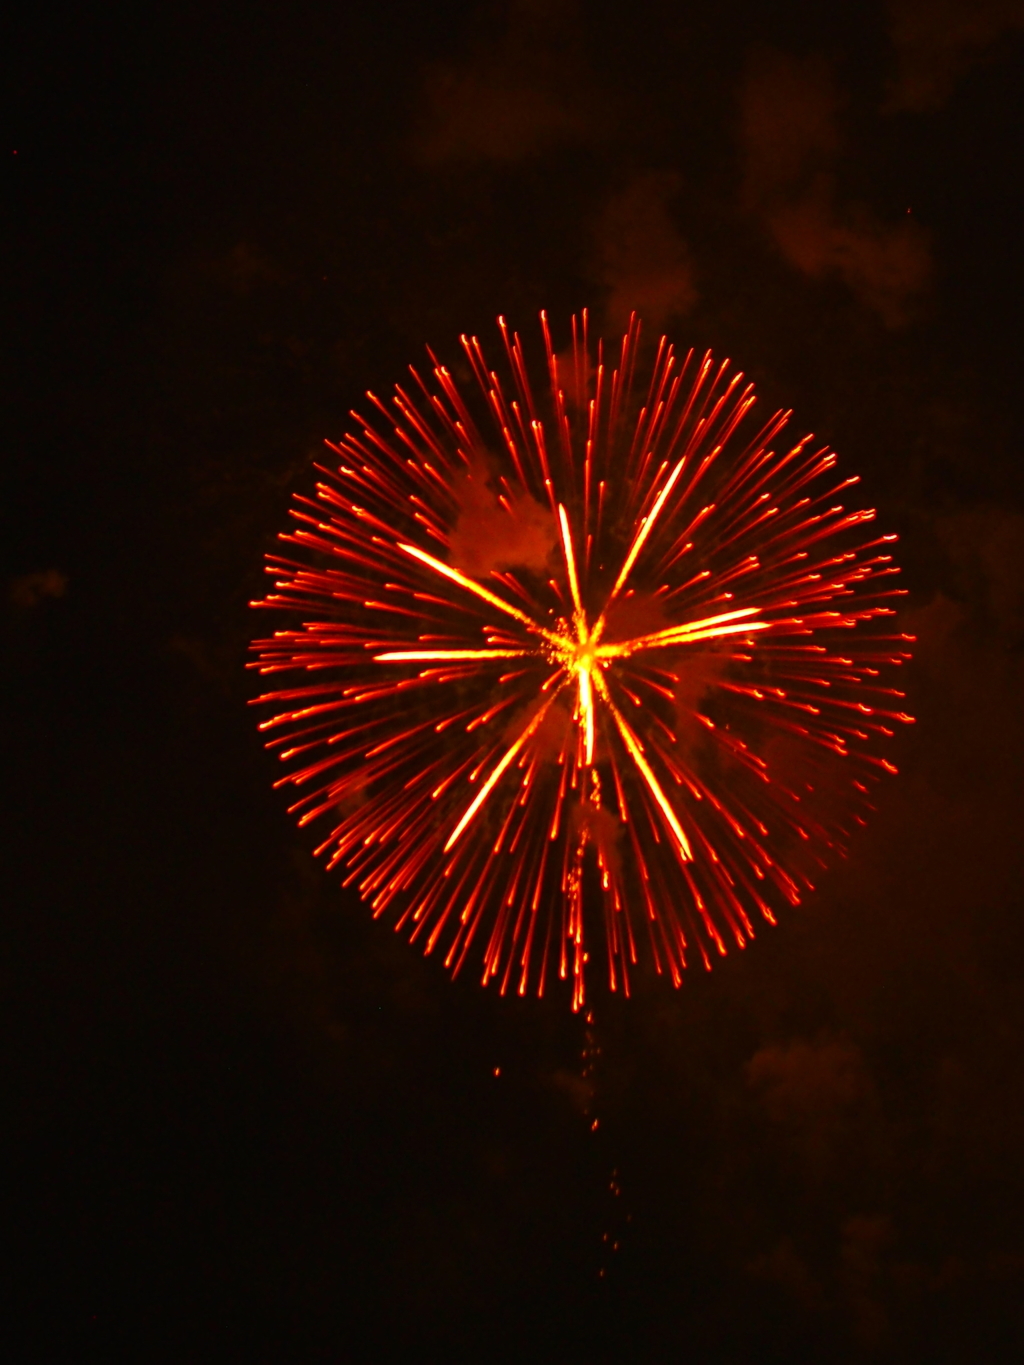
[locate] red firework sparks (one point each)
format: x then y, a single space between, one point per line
585 648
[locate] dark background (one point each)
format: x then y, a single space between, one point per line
242 1121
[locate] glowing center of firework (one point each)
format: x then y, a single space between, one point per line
580 660
579 663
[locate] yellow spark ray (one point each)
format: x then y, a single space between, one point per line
639 541
570 564
468 583
636 753
685 637
587 708
579 661
488 786
708 628
412 656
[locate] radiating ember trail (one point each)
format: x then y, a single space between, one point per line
581 664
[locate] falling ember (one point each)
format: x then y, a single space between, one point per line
586 663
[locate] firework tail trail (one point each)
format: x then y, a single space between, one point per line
581 662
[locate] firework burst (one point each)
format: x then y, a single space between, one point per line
581 663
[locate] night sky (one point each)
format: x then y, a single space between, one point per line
241 1119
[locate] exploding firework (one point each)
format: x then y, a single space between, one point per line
581 662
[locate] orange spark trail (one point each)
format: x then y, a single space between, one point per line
659 730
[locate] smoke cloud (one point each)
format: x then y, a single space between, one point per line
494 534
640 256
938 41
513 97
790 140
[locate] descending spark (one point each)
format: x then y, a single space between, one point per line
636 752
486 789
582 659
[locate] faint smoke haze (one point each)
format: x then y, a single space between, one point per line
937 41
640 256
514 96
30 589
489 536
790 145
